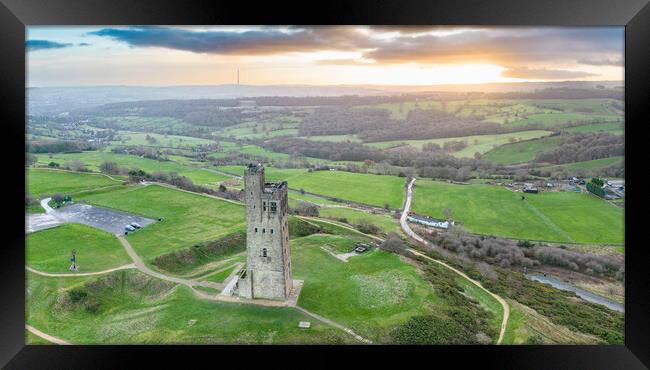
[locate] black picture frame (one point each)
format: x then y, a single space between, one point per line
15 15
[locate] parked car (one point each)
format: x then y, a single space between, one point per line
129 228
136 225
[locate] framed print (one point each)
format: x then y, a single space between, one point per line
376 180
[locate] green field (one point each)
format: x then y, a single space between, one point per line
478 143
128 307
609 128
588 165
171 141
385 222
95 158
49 250
362 188
271 174
187 218
549 216
335 138
521 152
41 182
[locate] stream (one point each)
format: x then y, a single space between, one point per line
586 295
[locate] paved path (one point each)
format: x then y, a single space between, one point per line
47 337
412 234
72 274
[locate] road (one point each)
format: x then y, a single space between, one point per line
407 229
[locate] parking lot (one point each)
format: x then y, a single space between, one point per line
105 219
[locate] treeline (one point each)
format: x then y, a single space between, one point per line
509 253
182 182
557 93
346 100
203 112
58 146
374 125
583 147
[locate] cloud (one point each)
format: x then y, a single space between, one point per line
617 62
544 74
253 42
83 44
33 45
514 46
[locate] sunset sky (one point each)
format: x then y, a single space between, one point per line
320 55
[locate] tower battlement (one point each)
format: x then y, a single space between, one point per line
268 268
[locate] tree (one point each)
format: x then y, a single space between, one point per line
30 159
109 167
53 165
57 198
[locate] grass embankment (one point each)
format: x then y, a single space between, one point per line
128 307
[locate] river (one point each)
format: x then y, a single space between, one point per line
586 295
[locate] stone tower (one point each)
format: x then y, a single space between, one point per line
268 266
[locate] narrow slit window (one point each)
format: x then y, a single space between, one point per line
271 231
264 206
255 229
263 231
263 252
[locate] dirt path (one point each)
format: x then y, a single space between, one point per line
139 264
412 234
47 337
37 272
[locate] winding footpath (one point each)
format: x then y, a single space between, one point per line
407 229
47 337
75 274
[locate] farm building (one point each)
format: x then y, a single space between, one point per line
429 221
530 188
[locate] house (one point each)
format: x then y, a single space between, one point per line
530 188
429 221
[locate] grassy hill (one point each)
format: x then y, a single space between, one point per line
49 250
41 182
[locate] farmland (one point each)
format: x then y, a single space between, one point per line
524 151
94 159
550 216
362 188
475 144
42 182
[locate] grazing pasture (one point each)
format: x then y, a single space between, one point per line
550 216
357 187
42 182
94 159
524 151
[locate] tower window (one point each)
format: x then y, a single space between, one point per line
271 231
264 206
274 207
255 229
263 252
263 231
